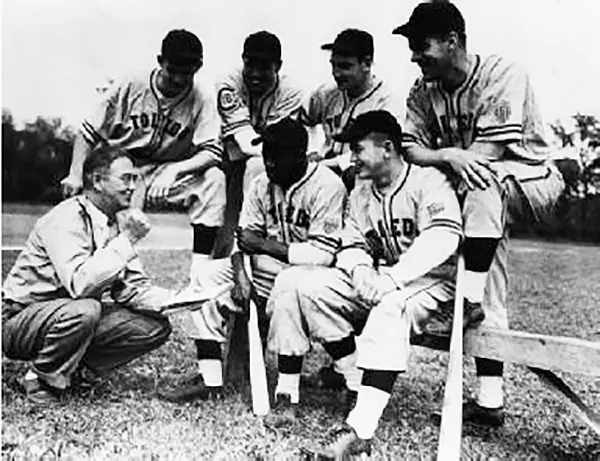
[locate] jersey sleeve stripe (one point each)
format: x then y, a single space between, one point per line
501 127
231 128
90 134
445 224
330 241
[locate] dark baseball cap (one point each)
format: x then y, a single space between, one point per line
262 45
287 133
182 48
435 19
352 42
375 121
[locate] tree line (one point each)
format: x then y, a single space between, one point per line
36 156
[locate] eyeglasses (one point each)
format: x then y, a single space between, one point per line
127 178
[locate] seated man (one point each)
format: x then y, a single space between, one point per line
395 268
355 90
290 216
170 127
249 99
53 312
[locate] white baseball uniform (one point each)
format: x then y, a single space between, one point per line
333 109
321 302
307 216
240 112
495 104
156 130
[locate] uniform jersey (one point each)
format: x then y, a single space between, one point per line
134 115
334 110
420 199
494 104
310 211
239 110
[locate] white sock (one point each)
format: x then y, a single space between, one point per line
30 375
347 367
369 407
475 285
212 371
198 264
490 392
289 384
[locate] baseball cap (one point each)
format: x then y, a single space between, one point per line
262 45
182 48
285 133
352 42
431 20
375 121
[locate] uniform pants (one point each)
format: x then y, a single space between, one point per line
58 335
518 192
202 194
210 322
320 303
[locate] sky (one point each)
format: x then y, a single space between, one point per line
55 52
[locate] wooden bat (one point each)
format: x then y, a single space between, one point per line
258 373
451 427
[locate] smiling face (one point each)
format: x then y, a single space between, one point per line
117 184
432 55
260 74
369 157
349 72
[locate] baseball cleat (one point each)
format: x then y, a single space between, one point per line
283 413
193 389
440 323
346 445
483 416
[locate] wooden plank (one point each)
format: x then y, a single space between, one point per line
558 386
535 350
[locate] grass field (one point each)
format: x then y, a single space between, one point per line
555 290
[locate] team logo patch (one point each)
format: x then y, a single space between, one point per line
330 226
227 100
502 111
435 209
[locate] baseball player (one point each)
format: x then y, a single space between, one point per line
290 216
248 100
476 117
396 266
170 127
356 90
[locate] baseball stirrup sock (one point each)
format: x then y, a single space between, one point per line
479 254
370 404
208 349
204 238
288 382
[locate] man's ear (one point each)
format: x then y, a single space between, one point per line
159 59
453 41
367 61
278 66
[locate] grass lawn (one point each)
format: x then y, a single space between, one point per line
555 290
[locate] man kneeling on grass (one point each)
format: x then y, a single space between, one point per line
396 267
290 216
53 310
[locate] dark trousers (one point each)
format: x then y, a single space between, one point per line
56 336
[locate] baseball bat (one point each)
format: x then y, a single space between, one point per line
258 373
451 426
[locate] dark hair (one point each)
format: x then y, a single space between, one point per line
182 47
100 160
